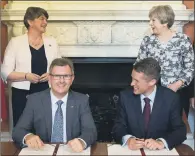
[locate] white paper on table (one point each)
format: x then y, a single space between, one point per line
65 150
161 152
120 150
47 149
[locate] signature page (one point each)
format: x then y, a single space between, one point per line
119 150
65 150
160 152
46 150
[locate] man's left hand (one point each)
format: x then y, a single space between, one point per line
76 145
154 144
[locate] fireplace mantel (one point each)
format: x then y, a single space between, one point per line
94 29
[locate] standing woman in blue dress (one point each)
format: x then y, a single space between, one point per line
173 51
27 58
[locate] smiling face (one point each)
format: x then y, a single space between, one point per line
60 80
39 24
156 26
141 83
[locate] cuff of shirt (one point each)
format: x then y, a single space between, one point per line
125 139
85 145
164 142
24 139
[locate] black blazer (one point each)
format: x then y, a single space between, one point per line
165 121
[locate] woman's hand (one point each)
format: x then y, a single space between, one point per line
176 85
33 78
192 105
44 77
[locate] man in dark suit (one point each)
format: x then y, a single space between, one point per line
148 115
57 114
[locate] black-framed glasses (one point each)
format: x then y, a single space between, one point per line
59 77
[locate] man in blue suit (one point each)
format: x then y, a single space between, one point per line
148 115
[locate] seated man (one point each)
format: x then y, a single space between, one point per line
148 115
57 115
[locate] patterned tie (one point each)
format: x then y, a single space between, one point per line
146 113
57 134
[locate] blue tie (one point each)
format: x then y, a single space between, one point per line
57 134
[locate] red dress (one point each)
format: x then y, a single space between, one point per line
3 104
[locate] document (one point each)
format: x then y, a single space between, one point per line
47 149
160 152
65 150
117 149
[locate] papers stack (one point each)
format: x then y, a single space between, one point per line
65 150
119 150
160 152
47 149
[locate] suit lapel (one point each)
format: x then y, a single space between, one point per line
48 112
155 110
69 114
137 105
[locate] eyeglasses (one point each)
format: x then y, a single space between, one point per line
65 77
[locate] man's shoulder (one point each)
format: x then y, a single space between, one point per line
40 94
166 92
78 95
127 91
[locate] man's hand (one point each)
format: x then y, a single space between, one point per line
135 143
33 141
175 86
76 145
154 144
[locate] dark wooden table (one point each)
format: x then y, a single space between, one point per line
9 148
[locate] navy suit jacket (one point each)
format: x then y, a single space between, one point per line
165 120
37 118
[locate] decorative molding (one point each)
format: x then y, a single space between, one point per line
93 5
65 33
67 15
94 32
129 32
86 28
